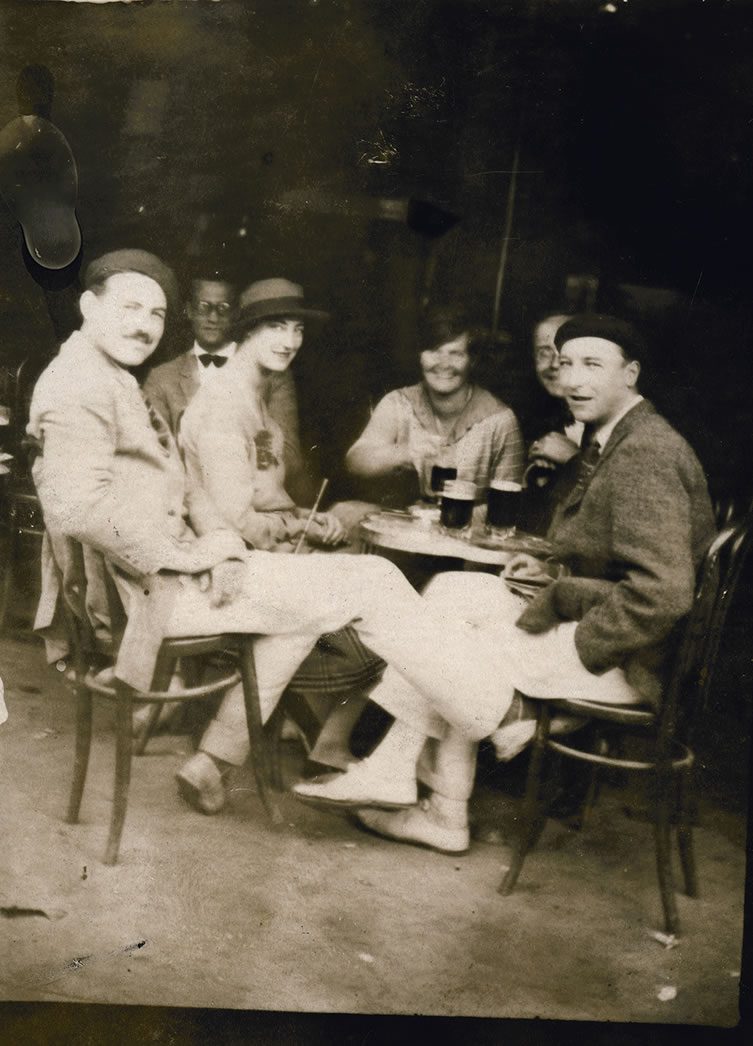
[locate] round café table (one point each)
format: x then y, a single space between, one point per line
401 532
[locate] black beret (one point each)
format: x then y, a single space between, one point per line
610 328
133 260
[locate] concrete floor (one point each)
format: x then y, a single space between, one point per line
318 916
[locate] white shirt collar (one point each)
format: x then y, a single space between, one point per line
604 431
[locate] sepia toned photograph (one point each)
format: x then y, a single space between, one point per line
375 515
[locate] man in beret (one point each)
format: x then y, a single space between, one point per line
632 527
211 310
110 476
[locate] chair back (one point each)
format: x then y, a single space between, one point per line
693 668
83 576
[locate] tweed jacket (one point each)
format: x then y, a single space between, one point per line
633 537
171 387
111 477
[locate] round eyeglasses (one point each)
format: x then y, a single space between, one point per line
546 354
206 308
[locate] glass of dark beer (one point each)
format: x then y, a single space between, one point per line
503 506
456 506
440 474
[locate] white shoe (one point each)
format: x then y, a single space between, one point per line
357 788
420 826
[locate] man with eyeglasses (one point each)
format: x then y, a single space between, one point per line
169 388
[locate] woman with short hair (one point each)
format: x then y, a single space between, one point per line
444 419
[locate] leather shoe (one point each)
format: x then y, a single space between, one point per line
420 826
200 784
354 788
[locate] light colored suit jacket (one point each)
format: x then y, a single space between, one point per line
633 536
171 387
111 477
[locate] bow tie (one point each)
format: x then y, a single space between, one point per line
205 358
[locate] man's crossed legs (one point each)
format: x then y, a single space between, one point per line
290 602
507 660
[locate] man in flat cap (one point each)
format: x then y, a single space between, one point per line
633 525
211 310
109 475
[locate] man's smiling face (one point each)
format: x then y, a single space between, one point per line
597 380
125 318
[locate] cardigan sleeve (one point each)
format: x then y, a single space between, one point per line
383 427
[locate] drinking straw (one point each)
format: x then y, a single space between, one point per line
311 514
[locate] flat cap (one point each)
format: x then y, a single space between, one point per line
610 328
133 260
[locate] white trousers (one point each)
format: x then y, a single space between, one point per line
292 600
544 666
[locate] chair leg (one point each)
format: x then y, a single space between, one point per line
534 810
147 730
594 782
83 748
274 743
123 747
257 741
686 813
662 838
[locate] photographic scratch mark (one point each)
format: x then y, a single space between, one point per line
380 152
698 284
82 961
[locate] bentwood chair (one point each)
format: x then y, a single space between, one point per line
91 653
665 736
22 514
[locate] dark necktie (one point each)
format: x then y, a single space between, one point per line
589 455
207 358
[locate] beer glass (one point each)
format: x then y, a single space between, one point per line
456 507
503 506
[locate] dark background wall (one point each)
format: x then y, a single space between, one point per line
289 136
